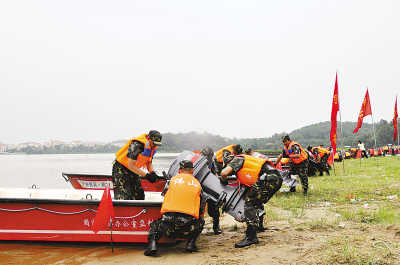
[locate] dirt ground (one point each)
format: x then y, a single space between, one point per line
284 242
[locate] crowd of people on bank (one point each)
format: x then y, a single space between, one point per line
183 207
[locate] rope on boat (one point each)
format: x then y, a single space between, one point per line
133 216
45 210
71 213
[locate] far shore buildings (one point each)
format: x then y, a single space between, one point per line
3 148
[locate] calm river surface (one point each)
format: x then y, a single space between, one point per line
22 171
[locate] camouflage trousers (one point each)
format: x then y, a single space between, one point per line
324 164
301 170
259 194
175 225
127 185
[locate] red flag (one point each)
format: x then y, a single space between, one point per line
335 109
395 121
365 111
104 211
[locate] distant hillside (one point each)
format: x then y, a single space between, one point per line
319 133
314 134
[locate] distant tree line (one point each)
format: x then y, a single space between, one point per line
315 134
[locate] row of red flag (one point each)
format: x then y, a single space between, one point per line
365 111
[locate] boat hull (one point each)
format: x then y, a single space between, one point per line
71 220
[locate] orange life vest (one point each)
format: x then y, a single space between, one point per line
303 154
143 159
250 170
321 152
183 196
218 154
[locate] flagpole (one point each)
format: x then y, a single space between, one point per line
341 132
373 125
397 127
373 129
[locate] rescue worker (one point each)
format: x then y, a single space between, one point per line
181 210
131 163
299 161
212 209
321 154
222 155
262 182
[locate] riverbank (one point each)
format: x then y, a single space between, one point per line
350 217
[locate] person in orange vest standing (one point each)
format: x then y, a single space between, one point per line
299 161
263 181
182 211
223 155
133 162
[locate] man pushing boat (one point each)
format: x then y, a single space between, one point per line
182 210
131 163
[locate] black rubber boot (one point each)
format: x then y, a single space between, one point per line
250 239
151 248
261 227
216 228
191 243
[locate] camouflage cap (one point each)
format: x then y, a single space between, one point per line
238 149
155 137
185 164
285 138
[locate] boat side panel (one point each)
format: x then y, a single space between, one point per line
72 222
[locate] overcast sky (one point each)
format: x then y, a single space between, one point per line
106 70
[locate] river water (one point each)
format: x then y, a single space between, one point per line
22 171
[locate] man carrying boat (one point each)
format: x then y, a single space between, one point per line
182 211
130 164
212 209
321 155
298 158
263 182
223 154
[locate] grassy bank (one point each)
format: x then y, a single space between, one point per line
358 206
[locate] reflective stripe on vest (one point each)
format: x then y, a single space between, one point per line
183 196
143 159
250 170
303 154
219 153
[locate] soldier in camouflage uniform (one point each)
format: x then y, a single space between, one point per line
298 161
127 185
180 219
131 160
268 182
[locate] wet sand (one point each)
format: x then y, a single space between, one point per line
281 243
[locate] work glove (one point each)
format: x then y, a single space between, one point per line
223 182
152 177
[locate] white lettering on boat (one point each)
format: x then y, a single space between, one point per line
91 184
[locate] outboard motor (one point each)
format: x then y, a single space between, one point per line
288 179
232 198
